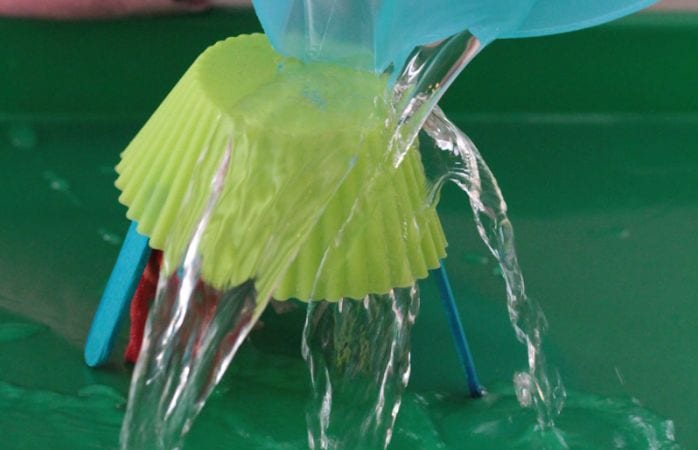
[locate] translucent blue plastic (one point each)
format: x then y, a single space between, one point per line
560 16
373 34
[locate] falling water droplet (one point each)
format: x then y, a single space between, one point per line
476 259
22 136
61 185
55 182
109 237
619 374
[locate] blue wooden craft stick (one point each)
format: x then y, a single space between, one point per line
116 297
461 341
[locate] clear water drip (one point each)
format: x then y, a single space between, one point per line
358 355
455 158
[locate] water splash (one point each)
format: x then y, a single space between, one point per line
455 158
497 421
358 354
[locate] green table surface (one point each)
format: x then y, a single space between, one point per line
593 137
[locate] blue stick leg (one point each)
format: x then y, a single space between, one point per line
116 297
458 332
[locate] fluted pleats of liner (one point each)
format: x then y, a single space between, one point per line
297 133
391 239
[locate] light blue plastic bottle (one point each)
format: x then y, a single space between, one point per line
373 34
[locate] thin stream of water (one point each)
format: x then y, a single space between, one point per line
358 355
461 163
192 334
427 75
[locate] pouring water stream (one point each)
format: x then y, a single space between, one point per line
194 331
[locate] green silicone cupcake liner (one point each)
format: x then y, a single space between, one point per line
292 129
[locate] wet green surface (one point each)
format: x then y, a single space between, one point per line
604 201
66 406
